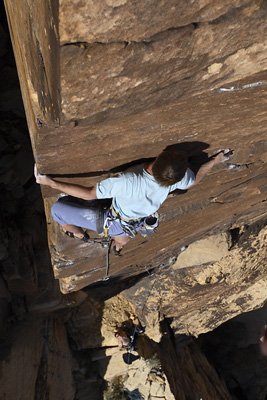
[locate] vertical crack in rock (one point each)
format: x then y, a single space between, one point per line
41 387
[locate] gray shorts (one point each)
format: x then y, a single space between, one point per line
64 212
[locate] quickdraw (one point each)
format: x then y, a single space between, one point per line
106 243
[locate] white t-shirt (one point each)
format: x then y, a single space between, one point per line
137 194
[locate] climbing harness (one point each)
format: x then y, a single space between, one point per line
144 226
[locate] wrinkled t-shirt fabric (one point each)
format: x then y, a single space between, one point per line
137 194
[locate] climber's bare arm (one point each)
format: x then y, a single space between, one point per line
81 192
221 157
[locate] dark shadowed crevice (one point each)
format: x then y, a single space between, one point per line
145 41
41 386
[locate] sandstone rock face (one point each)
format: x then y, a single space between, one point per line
41 347
121 83
35 46
138 378
94 324
214 120
161 371
189 373
130 20
34 353
200 298
237 341
171 64
204 251
203 82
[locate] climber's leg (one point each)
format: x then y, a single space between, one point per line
74 217
76 230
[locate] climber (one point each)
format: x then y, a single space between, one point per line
136 197
127 333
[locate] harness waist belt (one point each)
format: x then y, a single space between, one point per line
117 215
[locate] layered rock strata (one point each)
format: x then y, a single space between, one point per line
198 298
154 371
107 93
120 86
98 96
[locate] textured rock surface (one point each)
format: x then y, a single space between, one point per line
133 80
233 350
34 353
197 75
198 299
163 370
40 347
34 42
204 251
218 119
189 373
137 379
93 324
171 64
130 20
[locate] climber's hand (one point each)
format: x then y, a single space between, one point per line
42 179
223 155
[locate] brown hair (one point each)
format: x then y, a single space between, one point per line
170 167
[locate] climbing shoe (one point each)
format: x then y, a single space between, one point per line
85 237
